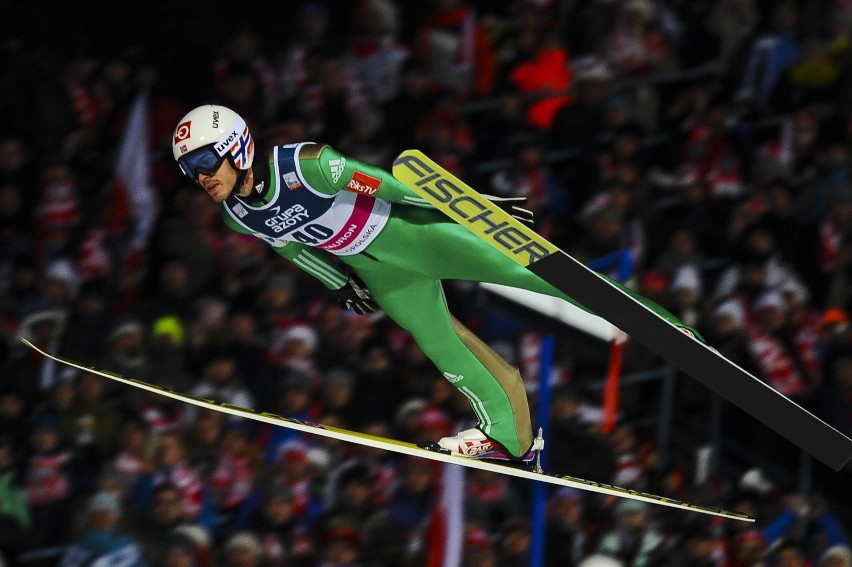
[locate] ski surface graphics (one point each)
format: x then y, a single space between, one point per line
467 207
401 447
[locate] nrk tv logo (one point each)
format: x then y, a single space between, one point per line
182 131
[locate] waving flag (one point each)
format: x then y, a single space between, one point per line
132 209
445 532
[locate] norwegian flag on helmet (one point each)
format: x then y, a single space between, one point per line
242 149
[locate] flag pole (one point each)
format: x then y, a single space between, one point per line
539 523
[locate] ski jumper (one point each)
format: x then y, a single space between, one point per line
320 204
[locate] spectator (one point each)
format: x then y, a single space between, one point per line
185 258
160 519
790 555
376 372
796 149
103 542
682 249
340 545
332 98
452 41
127 349
18 169
490 499
376 52
14 414
58 216
244 79
529 176
170 466
494 128
747 550
49 481
366 140
242 549
770 56
88 322
733 23
337 397
629 467
232 479
29 376
567 535
697 548
295 472
445 133
797 238
204 438
633 540
759 266
220 380
834 397
815 519
294 347
130 460
95 420
349 497
15 518
313 23
478 548
390 530
780 363
407 108
514 540
727 331
576 124
281 532
245 339
687 288
836 556
636 47
577 444
169 363
179 551
293 399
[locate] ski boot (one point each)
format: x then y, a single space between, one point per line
474 444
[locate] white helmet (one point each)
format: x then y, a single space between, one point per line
209 134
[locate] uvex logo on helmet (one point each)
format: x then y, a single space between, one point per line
223 145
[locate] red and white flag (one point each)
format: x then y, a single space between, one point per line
132 210
446 530
132 196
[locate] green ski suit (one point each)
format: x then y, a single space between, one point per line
318 202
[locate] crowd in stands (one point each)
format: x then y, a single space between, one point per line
713 140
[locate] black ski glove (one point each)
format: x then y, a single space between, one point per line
355 296
512 206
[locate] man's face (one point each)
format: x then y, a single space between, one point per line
220 183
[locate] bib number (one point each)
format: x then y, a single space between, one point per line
312 234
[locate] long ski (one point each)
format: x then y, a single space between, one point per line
524 246
401 447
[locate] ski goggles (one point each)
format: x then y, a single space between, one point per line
203 160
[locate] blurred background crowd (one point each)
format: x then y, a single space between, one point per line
711 140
